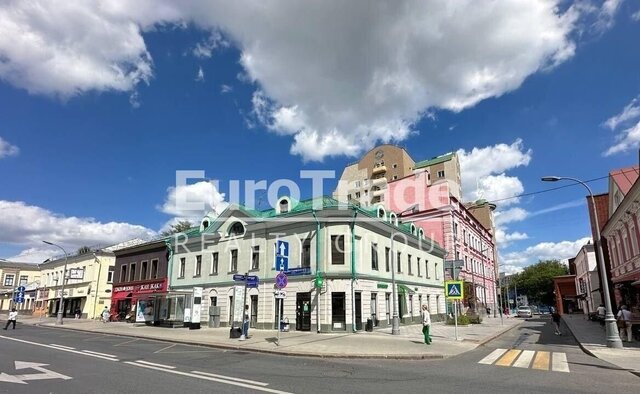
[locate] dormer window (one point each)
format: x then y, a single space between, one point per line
236 229
381 212
284 206
205 224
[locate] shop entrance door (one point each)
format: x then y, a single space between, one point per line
303 311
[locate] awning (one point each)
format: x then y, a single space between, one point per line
402 289
636 283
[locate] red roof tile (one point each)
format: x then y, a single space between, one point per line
625 177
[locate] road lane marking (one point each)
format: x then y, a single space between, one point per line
213 375
212 379
155 365
508 358
525 359
100 354
559 362
126 342
62 346
541 361
58 348
165 348
492 357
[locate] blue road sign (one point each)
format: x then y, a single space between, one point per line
282 249
21 289
251 285
253 279
281 280
282 263
238 277
298 271
454 290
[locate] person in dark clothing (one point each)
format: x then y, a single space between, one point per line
555 316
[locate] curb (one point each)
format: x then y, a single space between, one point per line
590 353
264 351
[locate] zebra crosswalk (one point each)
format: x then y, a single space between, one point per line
516 358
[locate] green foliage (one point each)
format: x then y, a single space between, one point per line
536 281
475 319
83 250
179 227
463 320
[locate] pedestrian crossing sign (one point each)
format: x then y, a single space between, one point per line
453 289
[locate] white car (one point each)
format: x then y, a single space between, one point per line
524 311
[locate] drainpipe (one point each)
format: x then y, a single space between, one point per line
318 270
353 270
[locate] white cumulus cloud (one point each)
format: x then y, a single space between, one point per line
192 202
629 120
544 251
27 225
351 75
7 150
515 214
483 172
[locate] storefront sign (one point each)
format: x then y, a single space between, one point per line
141 288
382 285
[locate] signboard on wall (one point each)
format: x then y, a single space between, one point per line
76 273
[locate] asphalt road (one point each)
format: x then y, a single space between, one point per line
527 359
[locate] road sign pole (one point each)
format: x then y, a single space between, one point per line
280 307
455 318
244 303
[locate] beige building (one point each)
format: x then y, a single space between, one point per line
88 285
14 275
366 180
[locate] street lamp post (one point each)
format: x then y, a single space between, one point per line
613 338
64 275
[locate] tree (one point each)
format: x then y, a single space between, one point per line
83 250
181 226
536 281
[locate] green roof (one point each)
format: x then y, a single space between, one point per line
434 161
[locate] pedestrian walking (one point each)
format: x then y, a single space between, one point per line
78 313
624 322
13 315
426 324
601 312
245 322
555 316
105 314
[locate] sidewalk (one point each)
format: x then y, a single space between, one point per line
378 344
592 339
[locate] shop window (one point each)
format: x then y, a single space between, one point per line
123 273
154 269
234 261
374 256
387 263
337 249
214 264
306 253
255 258
183 263
387 304
198 268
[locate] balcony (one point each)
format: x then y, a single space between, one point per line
379 170
378 192
380 182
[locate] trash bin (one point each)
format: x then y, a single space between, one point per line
235 332
369 326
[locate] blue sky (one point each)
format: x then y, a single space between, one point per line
95 122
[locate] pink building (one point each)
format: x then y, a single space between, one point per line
466 231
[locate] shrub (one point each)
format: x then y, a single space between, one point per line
462 320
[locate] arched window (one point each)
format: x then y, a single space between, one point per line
421 233
236 229
381 212
393 218
205 224
413 229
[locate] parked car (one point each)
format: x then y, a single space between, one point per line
544 310
524 311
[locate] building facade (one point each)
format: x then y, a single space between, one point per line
586 279
622 233
87 286
140 274
442 217
343 255
13 275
